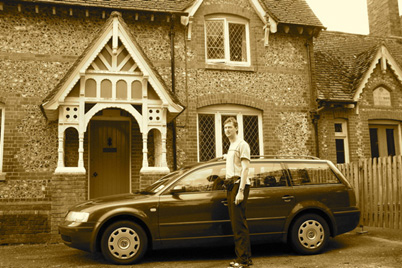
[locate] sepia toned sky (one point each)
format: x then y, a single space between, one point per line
343 15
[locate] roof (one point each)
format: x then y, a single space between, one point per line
343 60
292 12
284 11
174 6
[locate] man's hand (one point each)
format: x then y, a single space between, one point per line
239 197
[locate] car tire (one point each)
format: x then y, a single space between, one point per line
309 234
124 242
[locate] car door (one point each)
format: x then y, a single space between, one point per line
315 182
271 198
194 207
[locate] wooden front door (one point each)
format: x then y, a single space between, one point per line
109 158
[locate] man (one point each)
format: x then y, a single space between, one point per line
238 188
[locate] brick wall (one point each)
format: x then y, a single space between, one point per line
24 222
37 49
358 122
384 19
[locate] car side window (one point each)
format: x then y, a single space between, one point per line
202 180
311 174
267 175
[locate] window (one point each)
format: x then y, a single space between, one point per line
311 174
227 40
267 175
203 180
2 120
212 141
384 139
341 141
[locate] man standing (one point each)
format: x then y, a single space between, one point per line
238 188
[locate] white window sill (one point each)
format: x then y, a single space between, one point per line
224 66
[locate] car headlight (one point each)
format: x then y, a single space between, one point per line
75 216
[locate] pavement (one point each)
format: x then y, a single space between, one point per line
367 247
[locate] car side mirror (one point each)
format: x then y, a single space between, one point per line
178 189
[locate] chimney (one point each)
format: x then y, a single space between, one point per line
384 19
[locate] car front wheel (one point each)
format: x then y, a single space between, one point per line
124 242
309 234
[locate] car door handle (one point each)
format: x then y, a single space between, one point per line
287 198
225 202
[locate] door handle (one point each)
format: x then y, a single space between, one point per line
287 198
225 203
95 174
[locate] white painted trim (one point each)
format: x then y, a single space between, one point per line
156 170
115 29
70 170
101 106
344 135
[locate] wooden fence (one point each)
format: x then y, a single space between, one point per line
378 186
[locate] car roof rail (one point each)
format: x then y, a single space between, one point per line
285 156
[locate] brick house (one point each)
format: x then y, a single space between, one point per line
103 97
359 88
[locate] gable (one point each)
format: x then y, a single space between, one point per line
385 59
114 52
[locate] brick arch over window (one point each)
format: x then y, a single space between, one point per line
224 98
223 9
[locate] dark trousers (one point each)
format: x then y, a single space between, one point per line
239 224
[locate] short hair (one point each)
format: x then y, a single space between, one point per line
231 120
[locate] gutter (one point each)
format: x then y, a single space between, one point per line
173 77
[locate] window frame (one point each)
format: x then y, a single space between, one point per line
382 125
228 19
237 111
342 136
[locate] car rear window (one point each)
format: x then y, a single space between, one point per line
311 174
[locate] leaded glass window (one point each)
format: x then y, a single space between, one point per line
212 141
227 40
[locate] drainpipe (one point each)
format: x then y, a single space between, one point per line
172 67
314 114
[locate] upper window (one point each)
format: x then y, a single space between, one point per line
227 40
212 141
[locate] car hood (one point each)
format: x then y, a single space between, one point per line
110 201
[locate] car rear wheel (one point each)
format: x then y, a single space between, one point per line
309 234
124 242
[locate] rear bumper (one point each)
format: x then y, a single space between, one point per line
346 220
79 237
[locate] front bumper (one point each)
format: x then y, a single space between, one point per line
79 237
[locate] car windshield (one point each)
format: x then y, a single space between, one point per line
162 182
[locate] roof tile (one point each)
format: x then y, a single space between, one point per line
342 59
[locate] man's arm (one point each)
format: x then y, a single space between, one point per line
245 163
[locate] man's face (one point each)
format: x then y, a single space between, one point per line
230 130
